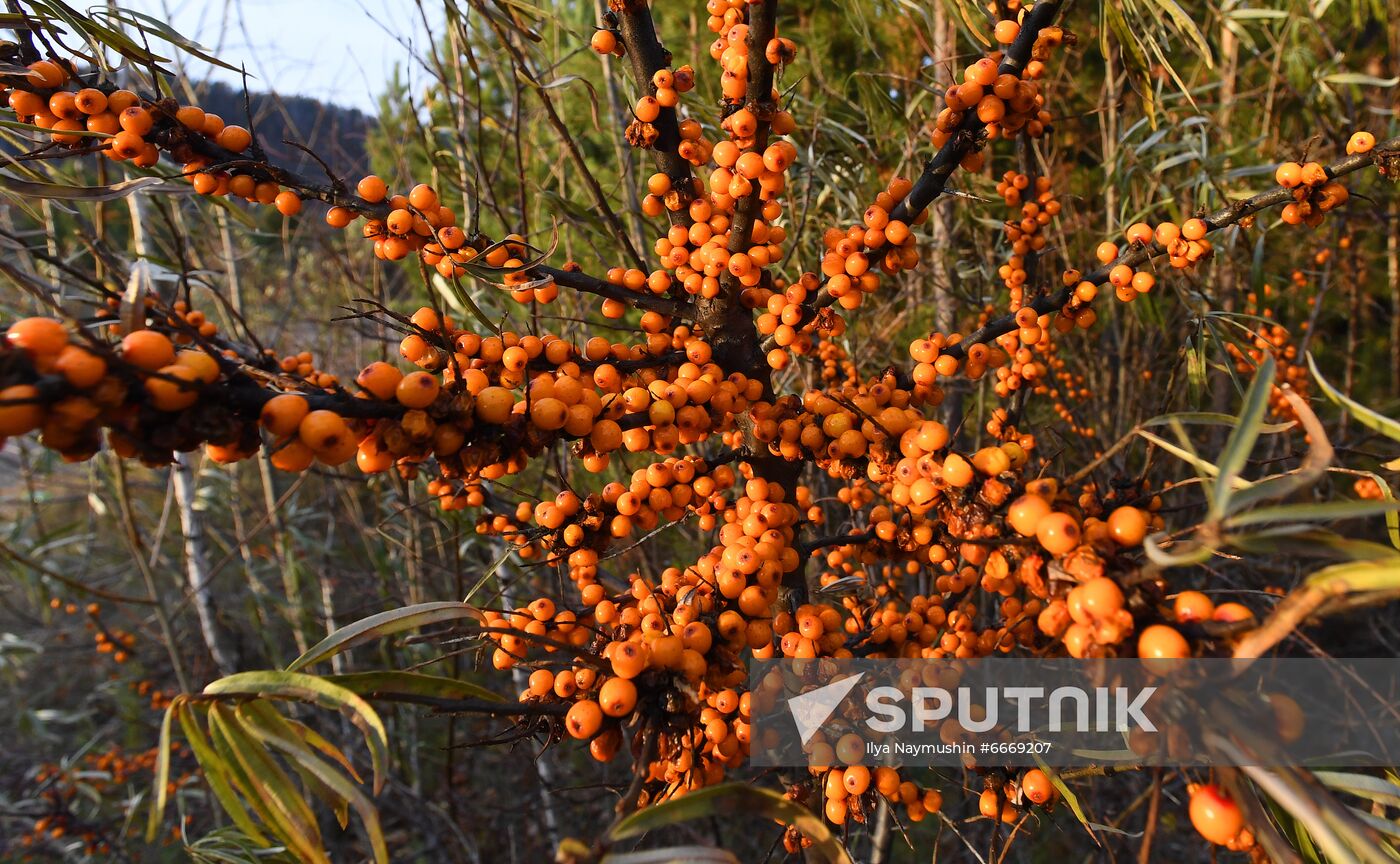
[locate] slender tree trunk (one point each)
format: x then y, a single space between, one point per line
217 638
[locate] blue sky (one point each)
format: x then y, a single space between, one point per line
340 51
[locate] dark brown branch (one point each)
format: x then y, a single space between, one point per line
647 56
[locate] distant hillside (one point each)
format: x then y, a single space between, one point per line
334 133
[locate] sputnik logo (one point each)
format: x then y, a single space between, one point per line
813 708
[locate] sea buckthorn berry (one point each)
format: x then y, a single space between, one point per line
584 719
617 697
1161 642
603 42
380 379
323 430
1361 142
173 387
372 189
205 367
1037 787
20 409
417 389
1288 174
1193 606
1194 229
1025 514
147 349
1058 533
282 414
1006 31
1127 526
288 203
234 138
80 367
1106 252
1215 815
46 74
38 337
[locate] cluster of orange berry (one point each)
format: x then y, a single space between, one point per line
1006 104
1314 192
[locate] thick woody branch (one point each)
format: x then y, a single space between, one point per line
647 56
1141 254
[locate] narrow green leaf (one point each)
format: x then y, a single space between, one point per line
1365 416
381 625
269 727
216 774
1359 576
1067 794
271 785
62 192
162 772
1366 786
387 685
318 691
1241 441
1319 512
728 799
1213 418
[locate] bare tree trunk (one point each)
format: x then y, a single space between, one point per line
216 637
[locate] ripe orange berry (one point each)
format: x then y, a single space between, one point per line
1006 31
205 367
1037 787
1127 526
1361 142
1160 642
234 138
957 471
1288 174
21 415
423 198
1215 815
38 337
136 120
1194 229
339 217
494 405
282 414
1058 533
323 430
288 203
1193 606
549 414
603 42
629 659
617 697
80 367
372 189
380 379
47 74
1106 252
1026 513
417 389
147 349
173 395
584 719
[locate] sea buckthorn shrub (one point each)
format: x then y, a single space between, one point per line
802 371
